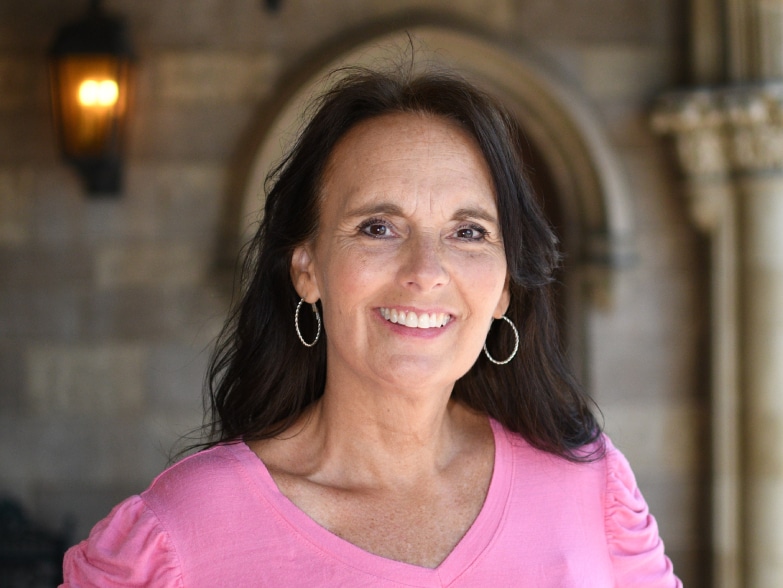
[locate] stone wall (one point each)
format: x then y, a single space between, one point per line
108 307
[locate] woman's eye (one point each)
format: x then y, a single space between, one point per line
471 233
375 229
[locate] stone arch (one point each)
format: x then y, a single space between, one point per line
556 118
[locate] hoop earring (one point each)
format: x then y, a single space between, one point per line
296 324
516 345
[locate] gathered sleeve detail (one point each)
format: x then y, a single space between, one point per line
634 545
127 548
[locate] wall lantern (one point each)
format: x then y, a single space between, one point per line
90 65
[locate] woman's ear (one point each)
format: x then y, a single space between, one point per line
303 274
505 300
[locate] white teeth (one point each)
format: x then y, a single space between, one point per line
412 320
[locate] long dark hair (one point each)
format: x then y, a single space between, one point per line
262 378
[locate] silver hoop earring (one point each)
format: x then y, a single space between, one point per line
296 324
516 345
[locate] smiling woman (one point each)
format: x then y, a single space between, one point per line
379 445
408 225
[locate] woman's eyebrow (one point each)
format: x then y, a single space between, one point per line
477 213
391 209
376 208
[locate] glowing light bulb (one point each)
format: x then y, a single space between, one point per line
98 93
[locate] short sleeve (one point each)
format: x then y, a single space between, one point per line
127 548
635 547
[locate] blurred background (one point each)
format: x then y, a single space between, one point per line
654 137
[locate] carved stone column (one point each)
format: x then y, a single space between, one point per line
730 147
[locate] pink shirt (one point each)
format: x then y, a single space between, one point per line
217 519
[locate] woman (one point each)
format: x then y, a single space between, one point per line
425 431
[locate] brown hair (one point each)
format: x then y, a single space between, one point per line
262 378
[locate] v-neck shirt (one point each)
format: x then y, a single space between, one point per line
217 518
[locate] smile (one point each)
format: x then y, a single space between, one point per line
415 321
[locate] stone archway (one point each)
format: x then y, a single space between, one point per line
579 164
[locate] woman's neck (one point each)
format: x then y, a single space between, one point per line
378 438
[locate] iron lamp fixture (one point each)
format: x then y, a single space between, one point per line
91 70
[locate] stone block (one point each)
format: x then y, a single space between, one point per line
44 267
154 313
86 380
227 24
654 321
23 82
176 201
15 195
213 77
762 453
58 206
302 27
194 131
29 25
98 449
27 137
766 517
136 313
12 377
645 21
176 376
626 72
627 125
657 435
170 438
498 14
676 251
41 313
59 448
148 264
162 202
765 217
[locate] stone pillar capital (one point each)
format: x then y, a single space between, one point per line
721 134
725 131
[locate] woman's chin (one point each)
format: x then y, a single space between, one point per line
417 372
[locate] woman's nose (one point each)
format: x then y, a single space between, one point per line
423 264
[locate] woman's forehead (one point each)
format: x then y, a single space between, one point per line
402 127
407 139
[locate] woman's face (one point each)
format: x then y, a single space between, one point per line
408 262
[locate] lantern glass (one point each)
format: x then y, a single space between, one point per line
90 103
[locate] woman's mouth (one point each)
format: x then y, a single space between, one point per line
416 321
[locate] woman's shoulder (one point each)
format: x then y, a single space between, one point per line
202 480
217 462
593 456
599 476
